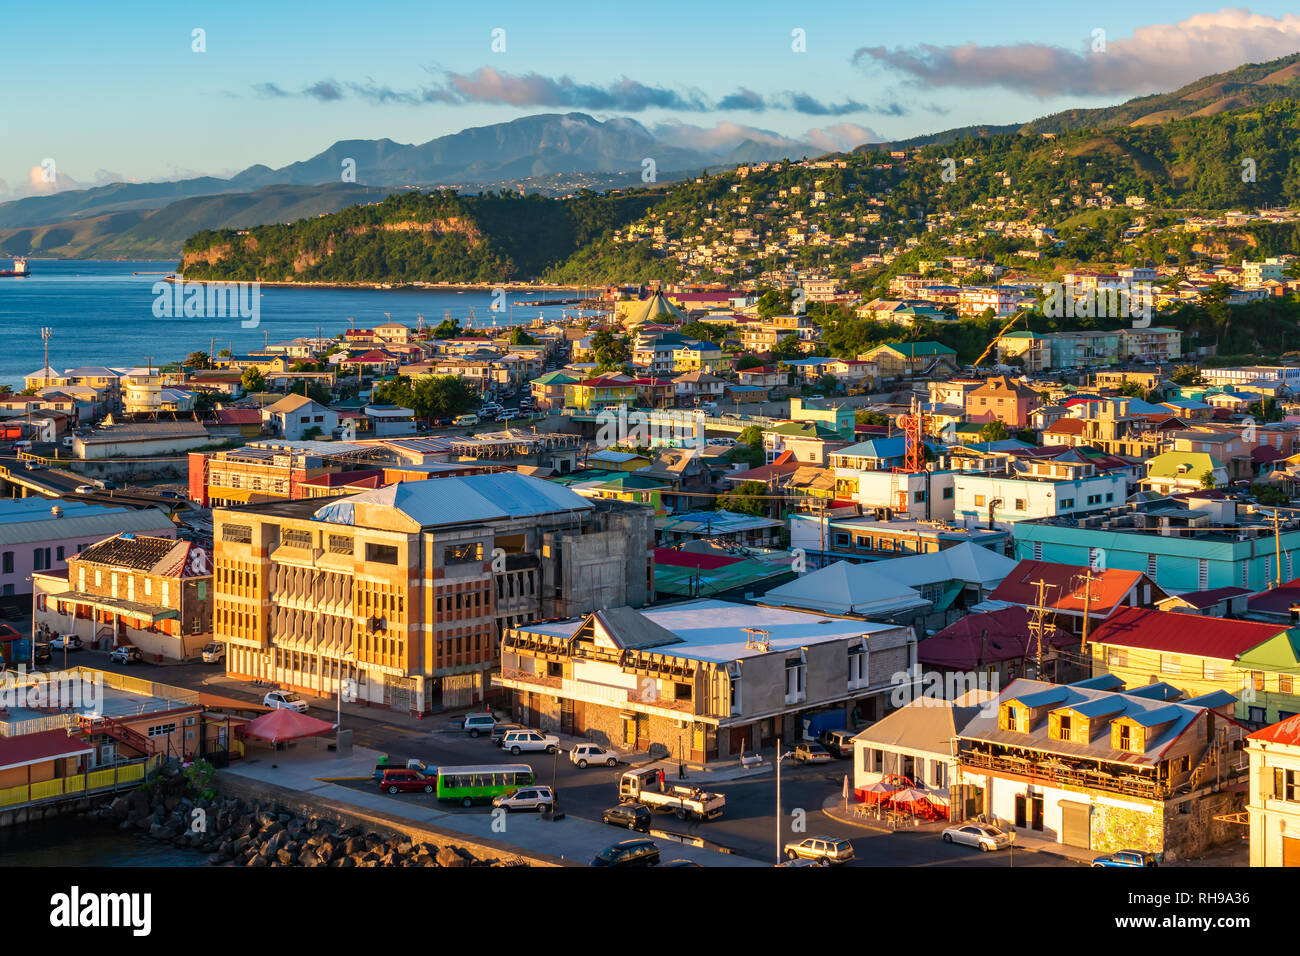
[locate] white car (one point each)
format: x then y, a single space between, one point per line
982 835
517 741
540 799
86 489
585 754
71 641
287 699
214 653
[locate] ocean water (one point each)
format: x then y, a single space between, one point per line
82 841
102 313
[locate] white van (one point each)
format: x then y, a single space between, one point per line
462 420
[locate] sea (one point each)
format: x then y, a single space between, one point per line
84 841
102 313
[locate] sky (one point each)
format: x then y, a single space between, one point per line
105 92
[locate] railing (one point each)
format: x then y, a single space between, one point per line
542 680
109 778
36 725
1130 784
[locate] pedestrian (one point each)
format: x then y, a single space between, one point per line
663 787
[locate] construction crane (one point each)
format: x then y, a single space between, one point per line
983 355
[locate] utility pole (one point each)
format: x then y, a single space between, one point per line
1277 542
1087 607
1041 619
46 333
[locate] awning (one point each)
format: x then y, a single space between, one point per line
145 612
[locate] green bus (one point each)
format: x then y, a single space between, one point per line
479 784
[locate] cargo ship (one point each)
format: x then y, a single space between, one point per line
19 269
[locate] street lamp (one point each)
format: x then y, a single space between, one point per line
779 757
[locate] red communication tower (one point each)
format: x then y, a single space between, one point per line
913 426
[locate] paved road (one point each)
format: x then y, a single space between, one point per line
748 827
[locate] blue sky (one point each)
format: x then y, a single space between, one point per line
113 90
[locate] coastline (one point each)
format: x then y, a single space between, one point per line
395 286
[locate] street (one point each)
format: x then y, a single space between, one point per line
747 827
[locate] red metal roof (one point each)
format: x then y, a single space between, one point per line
1065 586
37 748
690 559
980 639
1214 637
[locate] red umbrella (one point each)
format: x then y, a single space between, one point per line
284 724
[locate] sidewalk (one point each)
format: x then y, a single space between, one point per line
309 771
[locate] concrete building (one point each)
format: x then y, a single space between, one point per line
405 590
147 592
274 469
1274 802
706 680
1003 400
140 439
298 418
1097 767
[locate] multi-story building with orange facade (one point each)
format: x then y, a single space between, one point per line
401 594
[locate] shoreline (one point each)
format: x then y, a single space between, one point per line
390 286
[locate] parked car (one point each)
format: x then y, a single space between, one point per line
86 489
41 655
107 484
501 729
584 754
809 752
798 861
628 853
214 653
404 780
820 848
285 699
33 465
476 724
634 816
417 765
66 641
681 863
126 654
1126 858
540 799
461 421
983 835
517 741
838 742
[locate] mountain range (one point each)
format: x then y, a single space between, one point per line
551 153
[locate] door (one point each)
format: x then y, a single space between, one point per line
1036 812
566 716
1020 810
1290 851
1075 827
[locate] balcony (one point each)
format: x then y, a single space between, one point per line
118 777
1051 770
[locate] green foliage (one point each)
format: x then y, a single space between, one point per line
430 397
748 361
863 417
199 778
1270 495
447 329
994 431
745 499
520 337
1208 480
253 380
787 348
611 351
749 455
198 360
709 332
311 389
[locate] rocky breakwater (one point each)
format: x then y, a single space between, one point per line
234 832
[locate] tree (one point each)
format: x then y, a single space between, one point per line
311 389
1132 390
204 403
863 417
519 337
1208 481
748 361
447 329
1186 375
994 431
611 352
787 348
198 360
745 499
253 380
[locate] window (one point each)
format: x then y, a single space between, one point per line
1116 657
1257 680
162 730
1285 685
1151 566
979 501
296 538
468 553
857 665
1094 499
733 673
1020 504
1038 550
796 672
1170 664
8 562
1064 723
1212 670
947 493
1125 737
238 533
339 544
381 553
1202 574
841 539
918 496
938 774
1067 502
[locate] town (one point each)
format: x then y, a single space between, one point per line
1042 602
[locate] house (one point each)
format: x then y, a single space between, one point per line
1175 471
129 589
706 679
1197 655
912 359
548 390
691 388
993 648
1001 399
385 420
1072 593
1092 766
605 391
1216 602
915 743
1273 804
140 439
299 418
